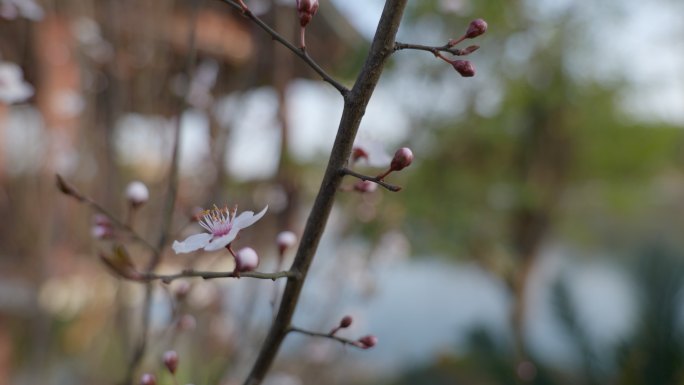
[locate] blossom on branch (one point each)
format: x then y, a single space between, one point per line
223 226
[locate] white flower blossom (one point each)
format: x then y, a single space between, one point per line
13 88
223 226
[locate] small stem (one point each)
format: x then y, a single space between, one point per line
449 47
375 179
344 91
302 38
167 278
330 336
71 191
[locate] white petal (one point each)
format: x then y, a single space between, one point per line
191 243
222 241
247 219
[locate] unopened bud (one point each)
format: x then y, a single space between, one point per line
171 361
285 240
359 153
148 379
181 291
367 342
476 28
464 67
137 193
246 259
102 227
306 10
365 186
402 159
346 321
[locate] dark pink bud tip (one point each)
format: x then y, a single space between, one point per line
346 321
306 10
402 159
367 342
171 361
476 28
464 67
148 379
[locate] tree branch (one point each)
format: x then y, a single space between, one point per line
374 179
436 49
354 108
343 341
167 278
300 52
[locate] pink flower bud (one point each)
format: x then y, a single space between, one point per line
181 291
148 379
101 220
365 186
476 28
359 153
306 9
367 342
101 232
285 240
246 259
171 361
402 159
137 193
464 67
346 321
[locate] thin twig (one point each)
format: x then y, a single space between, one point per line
70 190
374 179
167 278
343 341
434 49
297 51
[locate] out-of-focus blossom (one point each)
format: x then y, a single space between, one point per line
11 9
13 88
137 193
285 240
148 379
87 33
222 226
365 186
372 152
199 94
171 361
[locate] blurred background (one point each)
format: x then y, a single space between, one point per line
537 238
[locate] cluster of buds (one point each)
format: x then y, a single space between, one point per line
306 9
476 28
